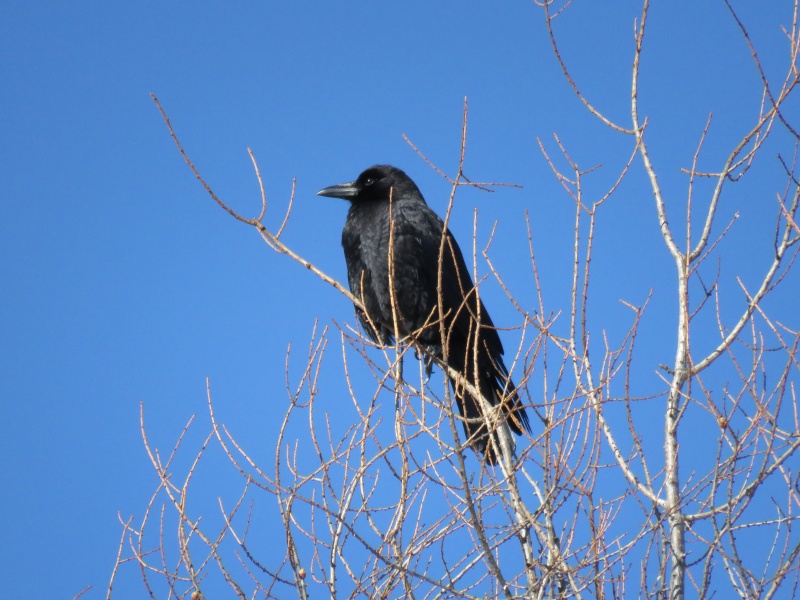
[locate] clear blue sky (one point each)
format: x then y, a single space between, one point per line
122 283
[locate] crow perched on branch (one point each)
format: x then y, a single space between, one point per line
400 290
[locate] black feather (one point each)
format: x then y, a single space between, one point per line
416 233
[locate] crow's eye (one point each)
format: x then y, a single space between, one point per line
368 181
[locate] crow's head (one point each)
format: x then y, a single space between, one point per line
376 184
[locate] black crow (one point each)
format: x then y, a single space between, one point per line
385 204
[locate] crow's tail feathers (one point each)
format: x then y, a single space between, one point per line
497 389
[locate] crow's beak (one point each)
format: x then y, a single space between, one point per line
346 191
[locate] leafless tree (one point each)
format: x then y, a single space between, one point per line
585 508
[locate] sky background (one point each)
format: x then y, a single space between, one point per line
123 283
